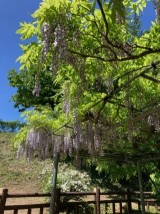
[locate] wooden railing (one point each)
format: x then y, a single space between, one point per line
102 202
16 207
96 202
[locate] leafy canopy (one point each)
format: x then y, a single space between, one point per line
108 76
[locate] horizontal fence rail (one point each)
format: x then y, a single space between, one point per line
95 202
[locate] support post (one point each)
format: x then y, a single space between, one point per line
129 204
54 181
141 187
57 201
3 200
97 199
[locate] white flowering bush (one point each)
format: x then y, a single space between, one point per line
69 178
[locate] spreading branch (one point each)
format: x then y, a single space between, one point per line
116 59
150 78
108 97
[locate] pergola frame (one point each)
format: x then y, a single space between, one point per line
137 159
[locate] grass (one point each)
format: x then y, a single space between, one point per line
18 174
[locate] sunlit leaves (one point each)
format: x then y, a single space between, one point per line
20 137
36 117
117 8
135 6
30 55
27 30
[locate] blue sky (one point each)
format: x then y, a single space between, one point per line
11 13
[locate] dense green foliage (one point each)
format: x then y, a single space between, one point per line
106 76
24 97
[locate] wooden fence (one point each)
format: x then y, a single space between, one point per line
79 202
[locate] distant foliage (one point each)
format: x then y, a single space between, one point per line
10 126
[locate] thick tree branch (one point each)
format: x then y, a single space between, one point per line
108 97
107 30
150 78
103 16
116 59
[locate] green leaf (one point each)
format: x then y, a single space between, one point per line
134 7
113 15
27 30
110 4
93 6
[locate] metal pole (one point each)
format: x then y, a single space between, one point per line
54 181
141 186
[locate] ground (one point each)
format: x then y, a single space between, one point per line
17 175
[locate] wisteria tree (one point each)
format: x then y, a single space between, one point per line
108 78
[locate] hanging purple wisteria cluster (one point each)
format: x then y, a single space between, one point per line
38 142
42 143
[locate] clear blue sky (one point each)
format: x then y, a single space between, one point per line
11 13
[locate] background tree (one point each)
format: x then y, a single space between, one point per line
10 126
31 94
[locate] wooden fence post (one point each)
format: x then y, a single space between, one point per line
129 203
3 200
57 200
97 200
